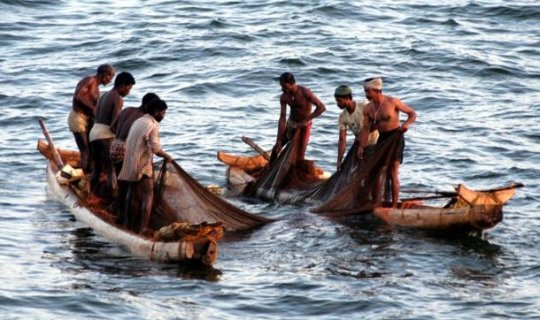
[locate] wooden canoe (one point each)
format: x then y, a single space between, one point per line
242 170
200 247
467 210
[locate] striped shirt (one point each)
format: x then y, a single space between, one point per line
141 145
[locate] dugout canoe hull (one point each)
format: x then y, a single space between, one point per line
468 210
196 249
241 170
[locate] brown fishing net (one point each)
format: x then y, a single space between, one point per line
285 173
361 184
179 197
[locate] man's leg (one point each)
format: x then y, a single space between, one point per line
395 183
81 138
96 173
147 184
304 139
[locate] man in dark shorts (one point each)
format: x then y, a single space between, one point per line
382 114
300 99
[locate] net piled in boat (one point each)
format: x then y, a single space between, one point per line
361 184
285 173
179 197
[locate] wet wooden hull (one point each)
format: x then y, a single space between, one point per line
469 210
201 249
472 210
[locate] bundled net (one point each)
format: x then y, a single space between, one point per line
360 185
285 173
323 191
179 197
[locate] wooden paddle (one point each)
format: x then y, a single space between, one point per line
252 144
56 155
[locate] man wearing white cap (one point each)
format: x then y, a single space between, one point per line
350 118
382 114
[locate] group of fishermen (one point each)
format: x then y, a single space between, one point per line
121 142
372 121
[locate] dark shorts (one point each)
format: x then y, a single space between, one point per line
398 155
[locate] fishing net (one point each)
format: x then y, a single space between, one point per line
179 197
285 173
361 184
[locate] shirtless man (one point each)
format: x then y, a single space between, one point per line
108 107
299 99
352 118
382 113
81 116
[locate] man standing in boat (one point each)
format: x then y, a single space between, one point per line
108 107
352 118
137 170
120 127
83 111
382 114
300 99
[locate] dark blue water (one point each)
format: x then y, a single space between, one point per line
470 68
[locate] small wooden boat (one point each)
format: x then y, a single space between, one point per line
241 170
467 210
177 242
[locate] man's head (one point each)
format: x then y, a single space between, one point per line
372 87
157 109
123 83
105 72
287 82
146 99
343 95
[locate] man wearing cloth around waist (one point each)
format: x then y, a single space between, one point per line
382 114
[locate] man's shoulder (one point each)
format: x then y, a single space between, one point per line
362 103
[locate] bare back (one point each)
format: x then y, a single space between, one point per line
109 106
86 95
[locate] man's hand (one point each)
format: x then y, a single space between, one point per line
360 153
167 157
403 128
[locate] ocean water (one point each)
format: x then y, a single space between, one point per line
470 69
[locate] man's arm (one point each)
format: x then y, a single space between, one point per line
411 115
83 97
364 133
319 106
342 145
282 125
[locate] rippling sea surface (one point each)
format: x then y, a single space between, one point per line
471 69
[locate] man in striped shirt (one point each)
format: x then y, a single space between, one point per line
137 170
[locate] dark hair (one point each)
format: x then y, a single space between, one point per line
147 98
348 95
156 105
286 77
124 78
104 68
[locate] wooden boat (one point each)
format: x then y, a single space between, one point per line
178 242
242 170
467 209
